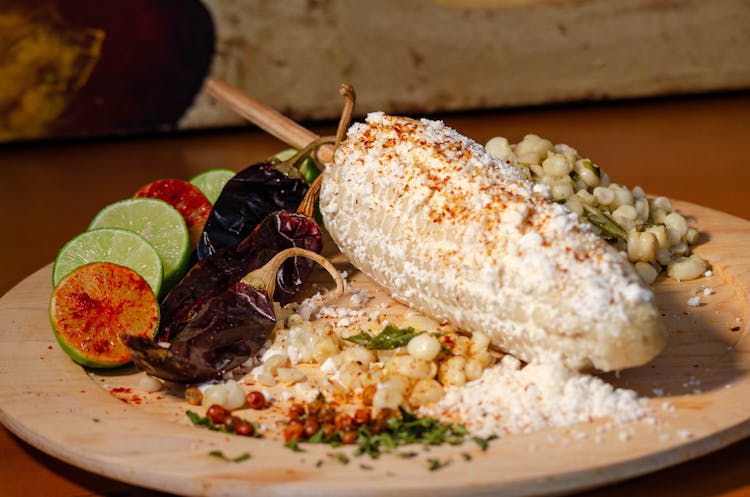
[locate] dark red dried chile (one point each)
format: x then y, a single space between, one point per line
215 274
225 333
246 199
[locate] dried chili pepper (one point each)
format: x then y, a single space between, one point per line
216 322
215 274
252 194
227 329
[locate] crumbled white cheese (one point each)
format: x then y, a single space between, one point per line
508 399
685 434
694 301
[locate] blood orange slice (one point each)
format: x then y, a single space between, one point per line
97 303
187 198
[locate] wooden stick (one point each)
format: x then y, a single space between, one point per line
265 118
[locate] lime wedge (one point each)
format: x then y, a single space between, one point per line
113 245
212 182
285 154
308 169
159 223
97 303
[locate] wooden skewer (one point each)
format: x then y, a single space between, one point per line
266 118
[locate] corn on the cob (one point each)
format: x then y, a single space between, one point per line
460 236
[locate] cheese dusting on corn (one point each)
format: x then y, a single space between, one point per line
459 235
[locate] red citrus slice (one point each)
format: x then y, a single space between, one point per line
186 198
97 303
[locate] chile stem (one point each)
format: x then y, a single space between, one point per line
264 278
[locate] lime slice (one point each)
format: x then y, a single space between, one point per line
159 223
308 169
212 182
92 307
113 245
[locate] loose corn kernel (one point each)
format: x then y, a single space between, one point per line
479 342
642 246
150 384
424 346
675 221
663 256
473 369
660 232
561 191
532 149
638 193
585 197
641 208
235 395
500 148
388 395
420 322
290 375
679 249
426 392
687 268
662 203
574 205
409 366
646 271
274 362
557 165
603 195
356 354
451 371
324 348
215 394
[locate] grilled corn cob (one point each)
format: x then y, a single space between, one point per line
462 237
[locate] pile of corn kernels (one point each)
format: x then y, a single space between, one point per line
413 375
654 236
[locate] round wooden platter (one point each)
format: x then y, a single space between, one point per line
699 391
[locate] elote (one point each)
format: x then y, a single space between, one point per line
461 236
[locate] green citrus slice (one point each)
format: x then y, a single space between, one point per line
211 182
308 169
97 303
159 223
114 245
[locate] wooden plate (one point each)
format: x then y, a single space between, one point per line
699 389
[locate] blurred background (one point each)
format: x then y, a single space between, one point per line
76 68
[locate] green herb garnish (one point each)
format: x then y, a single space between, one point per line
435 464
361 338
484 443
294 445
206 422
390 338
342 458
604 223
406 429
242 457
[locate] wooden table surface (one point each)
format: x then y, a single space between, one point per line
689 148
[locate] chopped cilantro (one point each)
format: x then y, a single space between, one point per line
390 338
219 454
484 443
340 457
294 445
435 464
